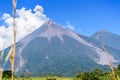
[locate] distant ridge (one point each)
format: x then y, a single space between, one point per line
108 38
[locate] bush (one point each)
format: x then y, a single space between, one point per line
94 75
7 74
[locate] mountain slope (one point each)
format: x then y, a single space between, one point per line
110 50
52 49
107 38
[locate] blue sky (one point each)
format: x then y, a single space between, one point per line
87 16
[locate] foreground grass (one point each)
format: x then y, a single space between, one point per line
41 78
103 77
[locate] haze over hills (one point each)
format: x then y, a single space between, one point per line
52 49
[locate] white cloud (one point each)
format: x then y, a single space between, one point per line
70 26
38 10
26 22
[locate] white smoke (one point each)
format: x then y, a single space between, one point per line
70 26
27 21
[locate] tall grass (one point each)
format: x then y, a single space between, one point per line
12 56
1 57
109 62
6 59
12 50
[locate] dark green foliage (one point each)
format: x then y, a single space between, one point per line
117 71
87 76
6 74
83 76
51 77
94 75
98 74
119 67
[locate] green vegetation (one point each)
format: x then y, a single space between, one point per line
96 74
6 74
41 78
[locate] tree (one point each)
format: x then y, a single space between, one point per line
83 76
7 74
119 67
93 75
98 72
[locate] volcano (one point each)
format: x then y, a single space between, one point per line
53 49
